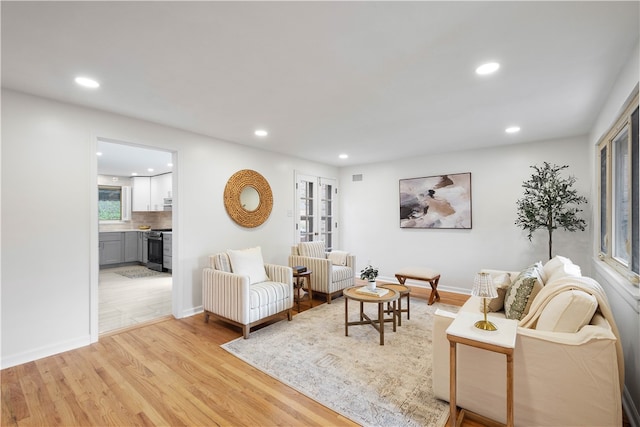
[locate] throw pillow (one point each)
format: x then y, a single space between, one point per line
221 262
338 257
568 311
312 249
517 296
248 262
559 267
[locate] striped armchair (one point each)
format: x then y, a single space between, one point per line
331 271
243 297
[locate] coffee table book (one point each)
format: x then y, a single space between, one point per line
378 292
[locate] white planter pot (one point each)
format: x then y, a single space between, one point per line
371 284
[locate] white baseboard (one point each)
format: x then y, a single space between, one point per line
421 284
46 351
630 409
191 311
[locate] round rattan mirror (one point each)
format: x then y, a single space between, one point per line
248 198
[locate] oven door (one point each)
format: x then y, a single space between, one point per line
155 253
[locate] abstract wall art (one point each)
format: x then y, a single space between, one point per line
441 201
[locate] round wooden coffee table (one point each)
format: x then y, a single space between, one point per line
378 324
404 291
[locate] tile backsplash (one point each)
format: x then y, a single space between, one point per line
159 219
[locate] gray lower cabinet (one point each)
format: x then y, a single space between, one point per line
167 258
118 247
130 246
110 248
143 247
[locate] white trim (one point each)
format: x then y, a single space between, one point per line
46 351
94 249
192 311
628 292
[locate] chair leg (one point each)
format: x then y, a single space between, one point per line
206 317
245 331
289 315
328 298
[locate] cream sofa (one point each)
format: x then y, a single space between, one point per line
568 365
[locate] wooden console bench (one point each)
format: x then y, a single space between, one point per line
424 274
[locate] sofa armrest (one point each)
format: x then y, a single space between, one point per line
279 273
225 294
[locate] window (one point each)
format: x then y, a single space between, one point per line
619 188
109 203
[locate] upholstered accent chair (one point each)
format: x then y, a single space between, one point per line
240 289
331 271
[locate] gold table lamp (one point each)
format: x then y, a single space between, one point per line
483 287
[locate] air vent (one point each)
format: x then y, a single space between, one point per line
357 177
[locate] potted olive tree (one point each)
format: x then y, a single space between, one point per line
549 202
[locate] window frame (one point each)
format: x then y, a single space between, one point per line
607 192
120 190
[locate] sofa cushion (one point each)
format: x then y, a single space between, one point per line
559 267
312 249
517 296
567 312
248 262
338 257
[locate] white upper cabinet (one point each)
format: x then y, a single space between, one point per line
149 192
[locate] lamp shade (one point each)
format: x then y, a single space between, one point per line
483 286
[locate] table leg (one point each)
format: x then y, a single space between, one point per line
381 321
435 296
310 291
346 317
510 390
452 384
394 315
399 312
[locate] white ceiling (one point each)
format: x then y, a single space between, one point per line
375 80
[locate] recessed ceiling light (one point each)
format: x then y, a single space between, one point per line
150 170
512 129
488 68
87 82
261 132
98 154
170 165
134 173
344 156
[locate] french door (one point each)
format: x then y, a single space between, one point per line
316 204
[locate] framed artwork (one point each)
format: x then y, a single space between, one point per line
442 201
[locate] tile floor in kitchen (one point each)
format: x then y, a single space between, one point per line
125 302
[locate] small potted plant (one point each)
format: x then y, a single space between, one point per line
369 273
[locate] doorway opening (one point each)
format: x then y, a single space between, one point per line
135 213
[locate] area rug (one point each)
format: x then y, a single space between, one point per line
354 375
136 272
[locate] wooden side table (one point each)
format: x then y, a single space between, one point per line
463 331
353 294
404 292
298 283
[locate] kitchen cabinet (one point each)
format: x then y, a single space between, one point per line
118 247
167 255
141 195
160 189
110 248
143 247
130 246
149 192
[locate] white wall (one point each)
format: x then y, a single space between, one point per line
371 224
624 297
49 232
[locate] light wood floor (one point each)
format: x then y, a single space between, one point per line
171 372
125 302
